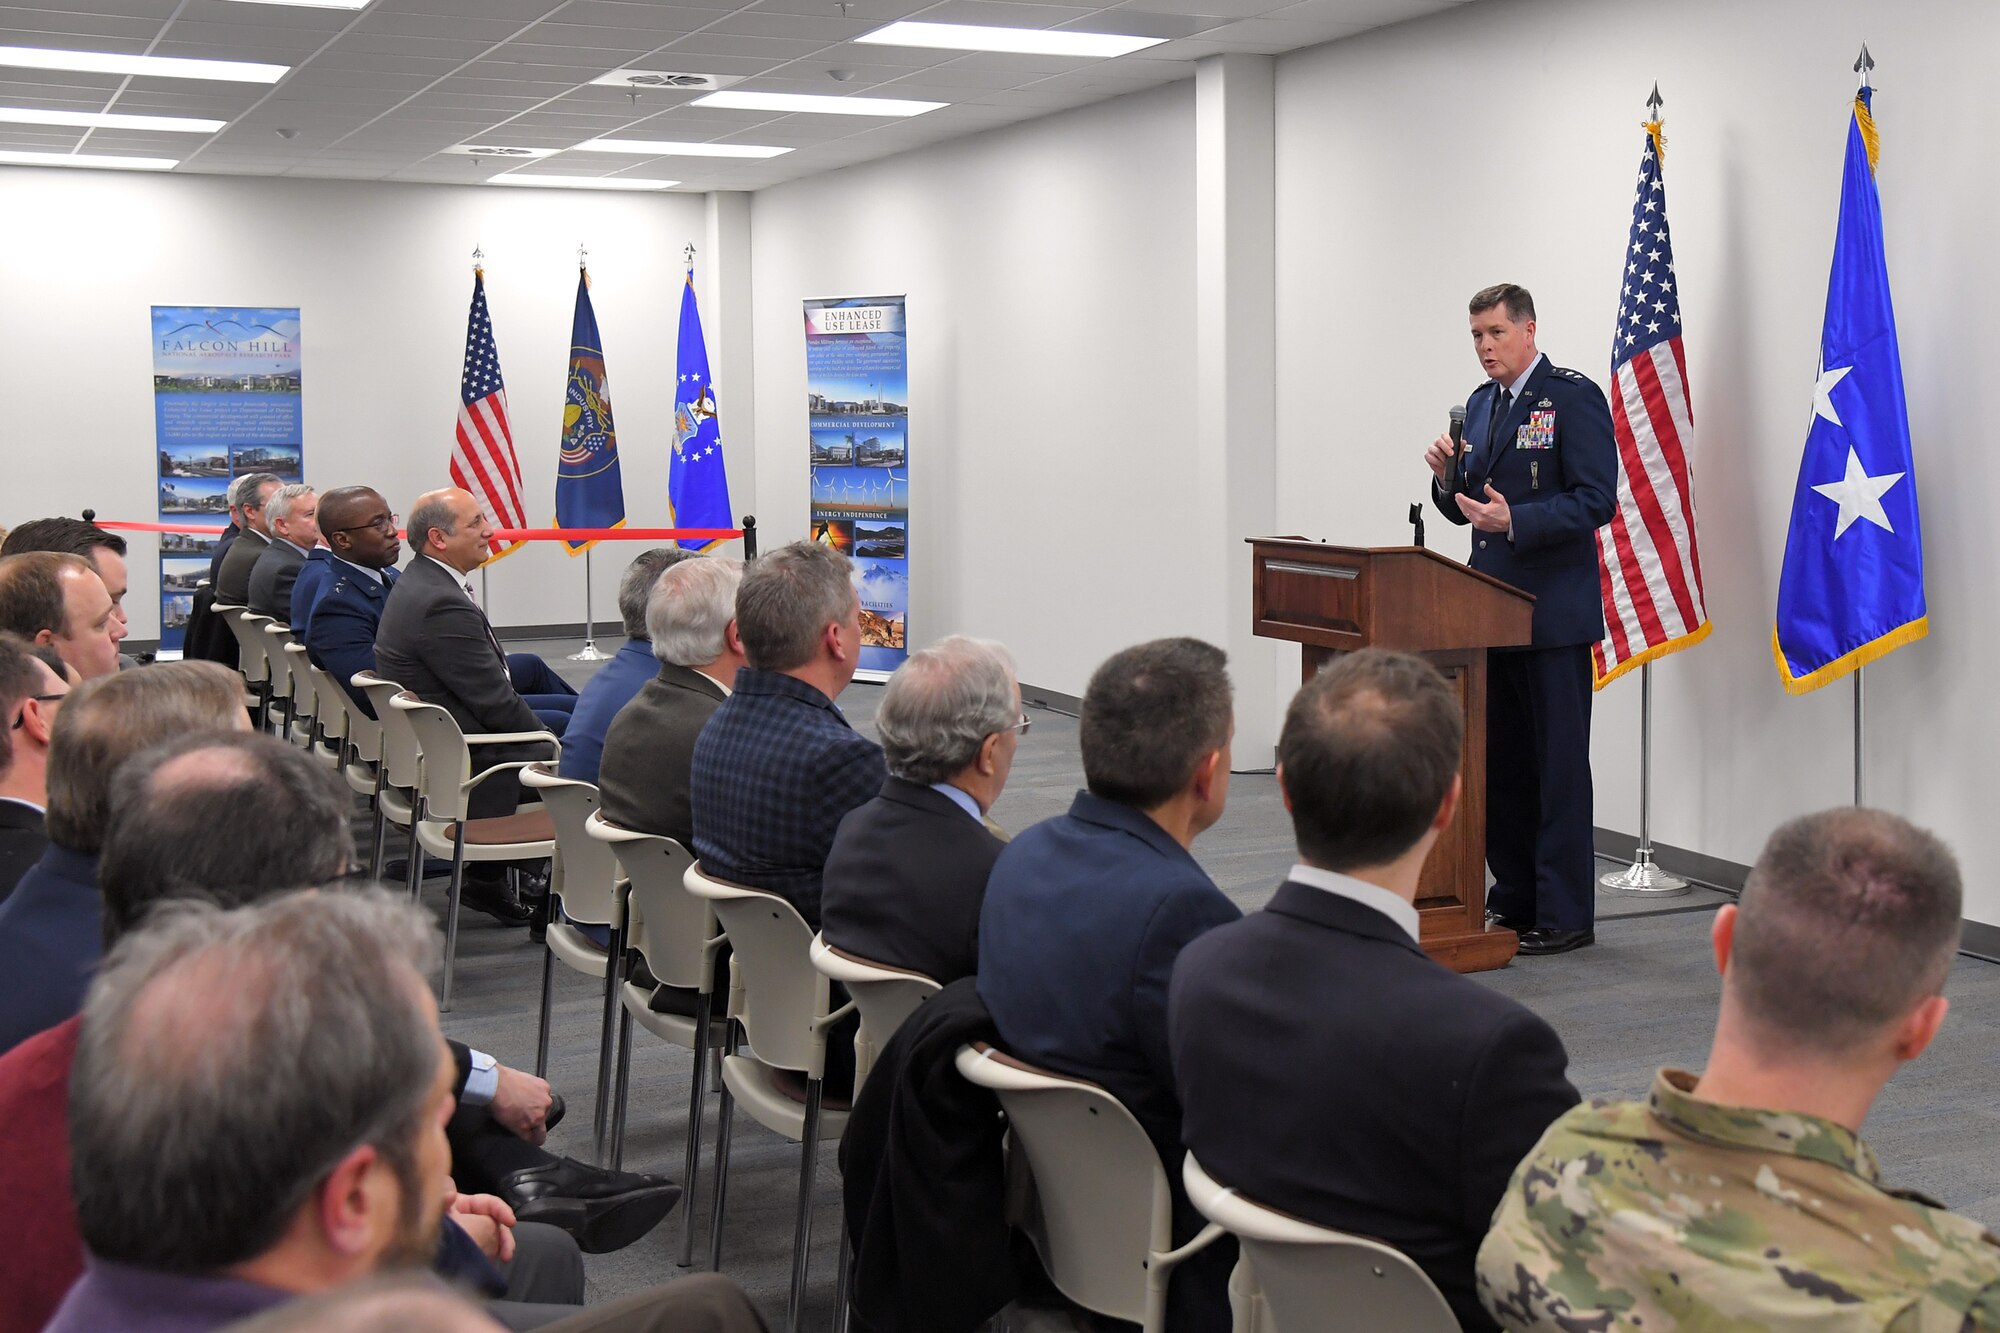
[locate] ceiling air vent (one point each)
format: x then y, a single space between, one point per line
499 150
665 80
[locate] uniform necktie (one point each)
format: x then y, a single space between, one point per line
1502 402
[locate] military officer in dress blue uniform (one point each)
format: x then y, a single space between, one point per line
362 532
1535 475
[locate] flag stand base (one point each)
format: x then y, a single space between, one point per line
588 653
1642 879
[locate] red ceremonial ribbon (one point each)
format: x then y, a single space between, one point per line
503 534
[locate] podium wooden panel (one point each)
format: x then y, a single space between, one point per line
1335 599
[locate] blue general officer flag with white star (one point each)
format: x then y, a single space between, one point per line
697 483
1852 588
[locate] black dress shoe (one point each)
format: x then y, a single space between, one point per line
493 897
604 1210
1538 942
1493 919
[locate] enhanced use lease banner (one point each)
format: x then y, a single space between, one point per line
225 402
857 406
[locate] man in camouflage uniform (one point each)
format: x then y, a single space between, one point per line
1744 1198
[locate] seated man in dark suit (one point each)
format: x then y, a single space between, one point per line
293 513
363 551
51 927
33 682
1086 913
436 642
1327 1067
618 680
649 751
777 767
907 873
232 574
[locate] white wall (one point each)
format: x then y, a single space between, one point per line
1050 275
381 274
1499 142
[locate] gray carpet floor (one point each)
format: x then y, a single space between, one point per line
1644 996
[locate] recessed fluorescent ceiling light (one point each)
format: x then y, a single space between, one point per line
582 182
311 4
1017 41
816 103
668 148
163 67
88 160
108 120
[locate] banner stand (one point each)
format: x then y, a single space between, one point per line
1643 878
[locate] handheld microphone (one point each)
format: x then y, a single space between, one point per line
1453 477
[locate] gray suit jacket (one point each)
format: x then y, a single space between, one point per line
436 644
642 782
271 580
232 581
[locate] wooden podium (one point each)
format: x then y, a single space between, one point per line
1334 599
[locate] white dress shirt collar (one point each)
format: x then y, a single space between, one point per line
375 574
463 583
1397 909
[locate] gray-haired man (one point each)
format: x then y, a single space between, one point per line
907 873
247 497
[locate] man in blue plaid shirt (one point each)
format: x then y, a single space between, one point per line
777 766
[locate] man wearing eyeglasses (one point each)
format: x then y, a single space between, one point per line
907 873
339 633
32 684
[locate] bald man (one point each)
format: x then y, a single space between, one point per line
436 642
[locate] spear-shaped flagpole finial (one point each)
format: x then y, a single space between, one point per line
478 259
582 255
687 253
1863 63
1655 102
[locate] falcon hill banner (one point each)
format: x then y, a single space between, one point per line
858 417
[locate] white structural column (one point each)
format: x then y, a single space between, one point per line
722 284
1235 397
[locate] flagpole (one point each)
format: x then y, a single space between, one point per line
1644 878
589 652
1858 717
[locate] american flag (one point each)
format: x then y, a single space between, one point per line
1647 564
482 457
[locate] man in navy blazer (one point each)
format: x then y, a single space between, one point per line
907 874
361 533
618 681
51 925
1535 475
1327 1067
1086 913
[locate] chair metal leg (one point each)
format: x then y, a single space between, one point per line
379 850
620 1080
548 1003
450 904
703 1005
413 875
601 1122
840 1280
802 1234
724 1114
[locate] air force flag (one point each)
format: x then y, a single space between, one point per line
1852 588
697 482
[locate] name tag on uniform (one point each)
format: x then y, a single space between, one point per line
1538 432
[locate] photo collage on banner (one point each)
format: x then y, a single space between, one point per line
225 402
858 411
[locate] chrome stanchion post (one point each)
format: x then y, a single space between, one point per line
1643 878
